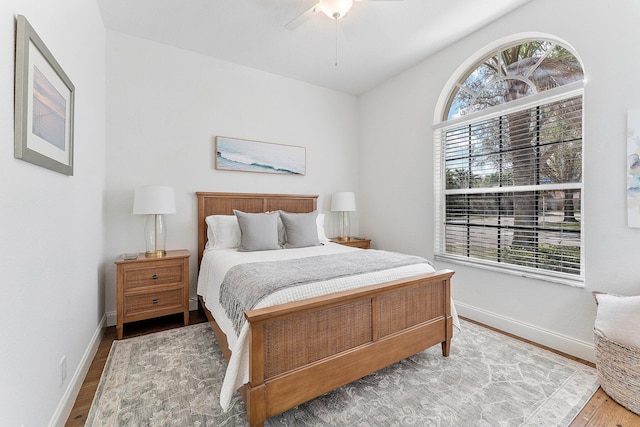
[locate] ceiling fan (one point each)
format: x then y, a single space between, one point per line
334 9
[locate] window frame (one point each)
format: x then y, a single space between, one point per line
440 192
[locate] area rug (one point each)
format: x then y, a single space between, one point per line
173 378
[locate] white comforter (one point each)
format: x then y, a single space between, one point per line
216 263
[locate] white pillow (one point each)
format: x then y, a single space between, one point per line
320 223
618 318
223 232
281 232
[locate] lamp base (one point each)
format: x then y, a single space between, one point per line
343 238
155 254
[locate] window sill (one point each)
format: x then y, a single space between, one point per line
560 278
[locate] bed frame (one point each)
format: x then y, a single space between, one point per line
301 350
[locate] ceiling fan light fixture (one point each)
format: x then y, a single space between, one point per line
335 9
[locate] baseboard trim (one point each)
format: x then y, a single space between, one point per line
65 406
582 349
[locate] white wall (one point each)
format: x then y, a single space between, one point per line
51 243
397 117
164 108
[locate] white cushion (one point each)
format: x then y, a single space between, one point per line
618 318
223 231
320 223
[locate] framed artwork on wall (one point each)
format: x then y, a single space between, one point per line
44 103
633 168
255 156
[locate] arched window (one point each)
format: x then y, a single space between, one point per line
509 162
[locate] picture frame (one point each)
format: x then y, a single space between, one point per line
633 168
255 156
44 104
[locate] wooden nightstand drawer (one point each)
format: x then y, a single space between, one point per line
153 301
152 276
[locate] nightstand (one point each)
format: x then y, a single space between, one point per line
152 287
353 242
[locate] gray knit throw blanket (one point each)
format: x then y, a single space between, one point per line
245 285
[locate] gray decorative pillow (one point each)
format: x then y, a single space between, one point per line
300 229
258 231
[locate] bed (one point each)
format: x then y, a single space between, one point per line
299 350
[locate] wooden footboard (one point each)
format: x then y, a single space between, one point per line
301 350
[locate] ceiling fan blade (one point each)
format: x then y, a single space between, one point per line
303 17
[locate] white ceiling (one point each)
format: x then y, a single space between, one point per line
376 39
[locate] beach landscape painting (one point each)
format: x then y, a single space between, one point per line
49 111
255 156
633 168
44 104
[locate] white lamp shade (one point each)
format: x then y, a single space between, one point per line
154 199
343 201
335 8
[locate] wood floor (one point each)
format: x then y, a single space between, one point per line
600 411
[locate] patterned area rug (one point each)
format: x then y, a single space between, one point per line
173 378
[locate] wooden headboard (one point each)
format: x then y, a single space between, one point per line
225 203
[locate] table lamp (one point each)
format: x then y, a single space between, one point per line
154 201
344 201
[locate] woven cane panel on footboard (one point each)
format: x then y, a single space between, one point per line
299 340
403 309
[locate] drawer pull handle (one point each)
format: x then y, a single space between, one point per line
154 301
154 277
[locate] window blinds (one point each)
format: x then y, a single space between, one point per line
510 188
